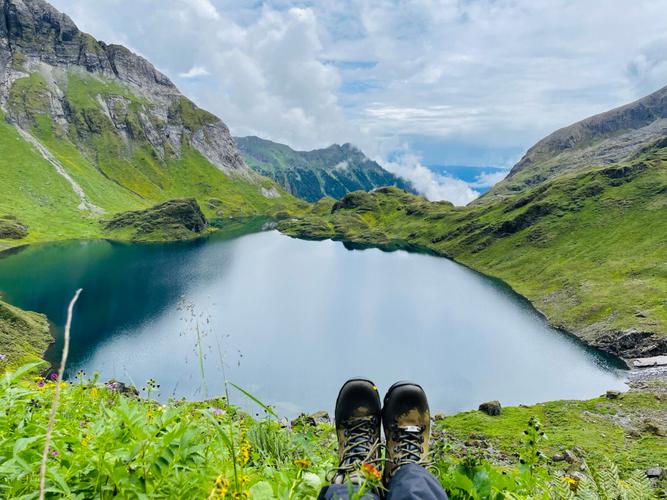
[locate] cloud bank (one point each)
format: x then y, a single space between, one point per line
477 81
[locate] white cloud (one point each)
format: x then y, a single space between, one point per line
459 75
195 72
433 186
488 179
648 69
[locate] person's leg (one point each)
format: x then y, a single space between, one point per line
341 492
357 416
415 482
407 425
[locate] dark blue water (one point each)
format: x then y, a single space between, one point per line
291 320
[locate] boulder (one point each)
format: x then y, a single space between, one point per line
319 417
613 394
492 408
439 417
122 388
655 473
11 228
655 427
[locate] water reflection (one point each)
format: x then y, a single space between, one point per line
293 319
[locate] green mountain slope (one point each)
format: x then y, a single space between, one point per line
587 247
88 130
603 139
312 175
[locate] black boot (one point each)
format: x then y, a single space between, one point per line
358 414
407 423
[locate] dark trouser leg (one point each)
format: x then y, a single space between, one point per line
341 492
412 481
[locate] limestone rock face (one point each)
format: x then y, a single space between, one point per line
35 38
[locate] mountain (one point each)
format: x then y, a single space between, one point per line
88 130
312 175
603 139
577 228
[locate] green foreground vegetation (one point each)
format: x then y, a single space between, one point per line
108 442
587 248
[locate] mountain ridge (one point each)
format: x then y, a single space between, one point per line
333 171
601 139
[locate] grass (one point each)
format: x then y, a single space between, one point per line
587 249
24 336
601 428
106 444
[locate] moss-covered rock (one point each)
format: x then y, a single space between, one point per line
173 219
24 336
11 228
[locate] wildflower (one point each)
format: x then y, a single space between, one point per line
302 463
85 441
571 482
244 452
40 382
54 453
371 472
220 489
215 411
53 376
93 392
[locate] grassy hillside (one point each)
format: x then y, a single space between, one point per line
24 336
116 170
587 249
312 175
107 444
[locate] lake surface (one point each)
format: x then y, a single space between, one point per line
294 319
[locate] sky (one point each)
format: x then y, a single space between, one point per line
413 83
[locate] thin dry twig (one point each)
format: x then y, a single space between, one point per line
56 397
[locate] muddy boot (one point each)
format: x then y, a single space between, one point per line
407 424
358 414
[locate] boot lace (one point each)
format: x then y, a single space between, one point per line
359 445
409 447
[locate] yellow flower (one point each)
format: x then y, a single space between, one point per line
220 489
93 392
85 441
571 482
303 463
244 452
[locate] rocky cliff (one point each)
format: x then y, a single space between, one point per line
89 129
312 175
36 38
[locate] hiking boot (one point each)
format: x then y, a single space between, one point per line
407 423
358 414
